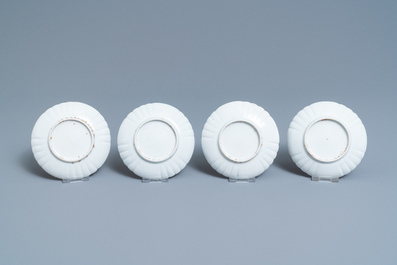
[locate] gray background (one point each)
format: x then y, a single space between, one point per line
196 56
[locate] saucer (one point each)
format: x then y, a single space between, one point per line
327 140
240 140
156 141
71 140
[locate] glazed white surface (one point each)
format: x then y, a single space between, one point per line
156 141
327 140
71 140
240 140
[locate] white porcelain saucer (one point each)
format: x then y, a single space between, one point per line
240 140
71 140
156 141
327 140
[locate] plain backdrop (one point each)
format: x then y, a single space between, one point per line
196 56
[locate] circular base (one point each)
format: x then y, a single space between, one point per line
239 141
71 139
327 140
156 140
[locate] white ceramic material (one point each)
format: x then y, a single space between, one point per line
71 140
240 140
327 140
156 141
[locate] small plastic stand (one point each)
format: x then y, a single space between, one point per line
145 180
75 180
233 180
325 179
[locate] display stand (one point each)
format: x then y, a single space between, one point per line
145 180
75 180
233 180
325 179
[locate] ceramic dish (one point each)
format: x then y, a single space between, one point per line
240 140
156 141
71 140
327 140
